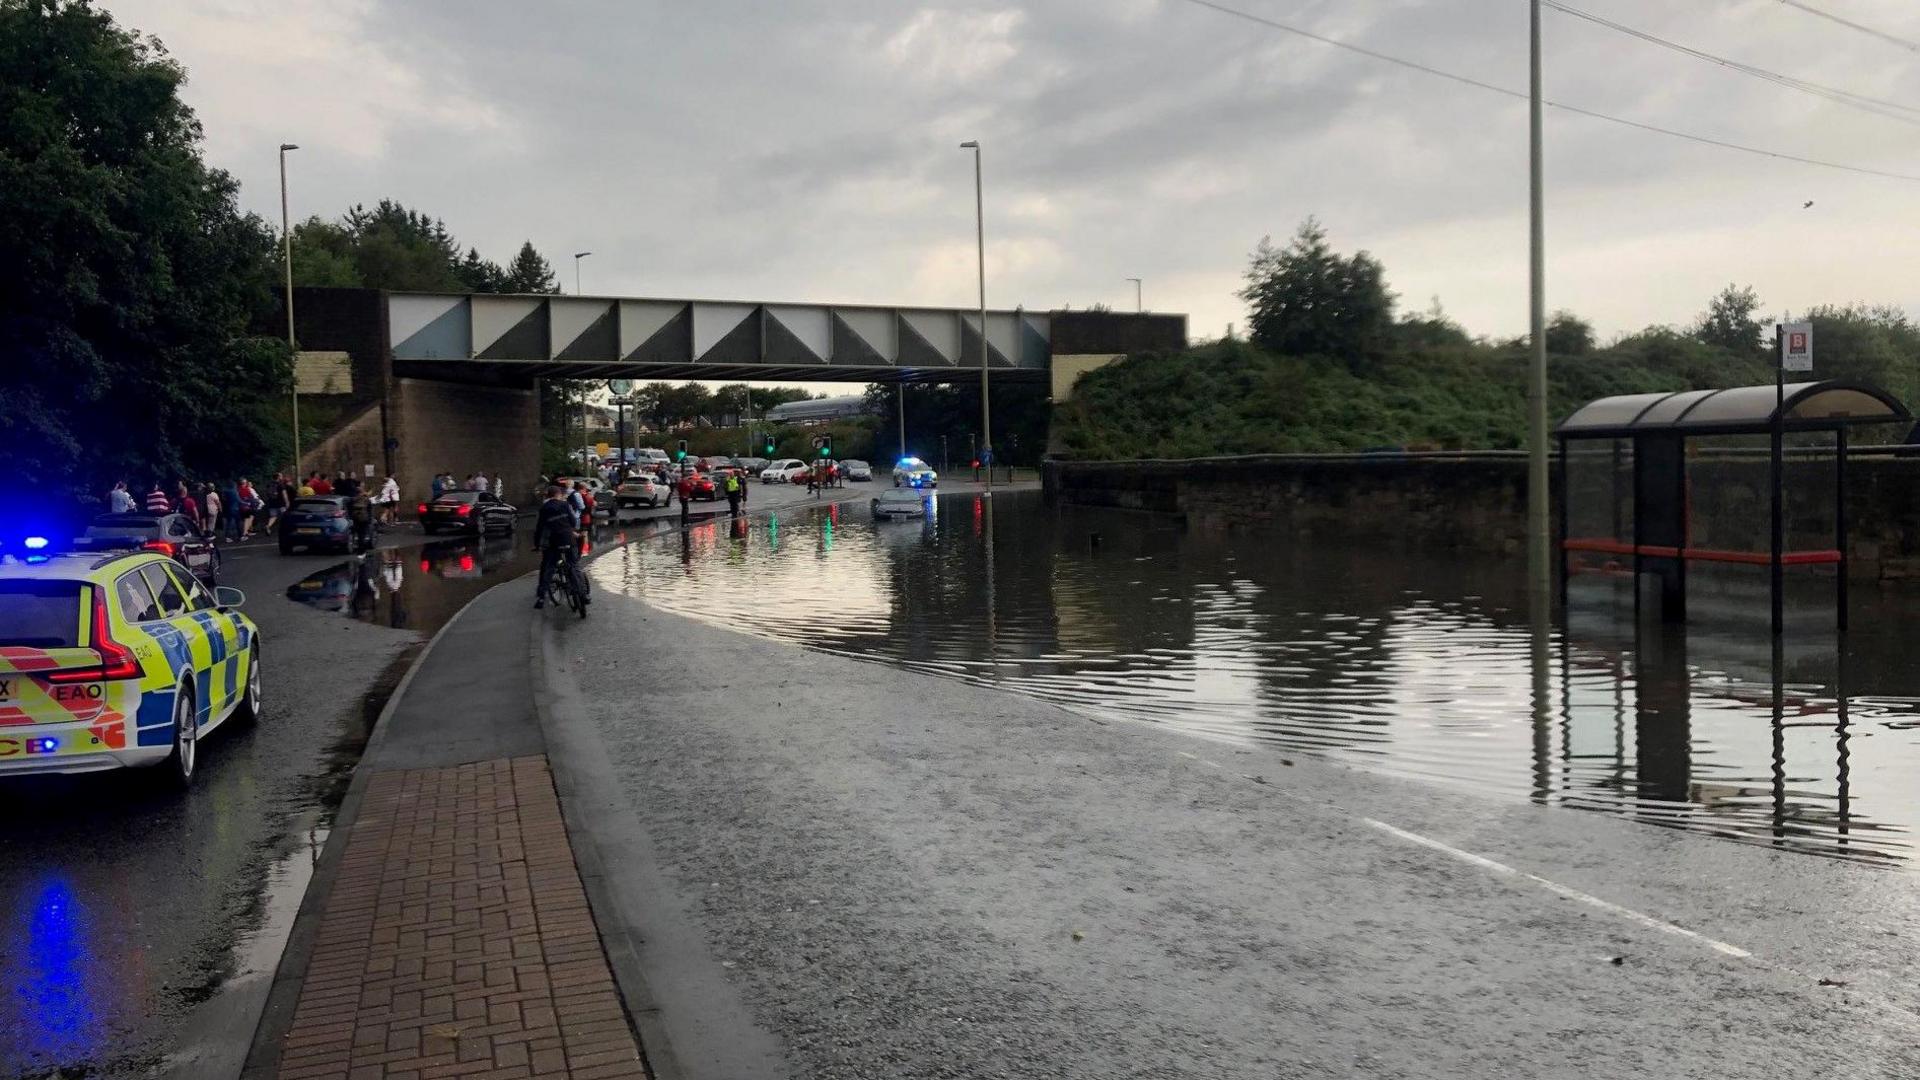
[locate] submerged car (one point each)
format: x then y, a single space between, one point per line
912 472
899 503
118 661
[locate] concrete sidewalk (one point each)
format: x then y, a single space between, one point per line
447 932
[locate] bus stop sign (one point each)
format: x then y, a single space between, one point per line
1796 346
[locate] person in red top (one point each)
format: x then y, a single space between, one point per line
157 501
186 503
320 484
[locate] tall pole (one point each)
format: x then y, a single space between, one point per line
1137 306
286 257
577 256
900 395
980 238
1539 566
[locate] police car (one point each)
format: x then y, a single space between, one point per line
117 661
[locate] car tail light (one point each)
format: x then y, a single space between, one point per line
464 509
338 514
161 546
426 566
116 660
423 508
466 562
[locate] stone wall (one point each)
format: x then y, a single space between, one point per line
462 429
1478 502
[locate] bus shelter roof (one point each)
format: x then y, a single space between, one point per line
1739 410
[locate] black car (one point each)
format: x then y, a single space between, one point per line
471 512
317 522
174 535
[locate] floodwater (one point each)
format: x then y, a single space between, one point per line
1405 664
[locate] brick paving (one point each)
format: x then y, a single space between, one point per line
457 941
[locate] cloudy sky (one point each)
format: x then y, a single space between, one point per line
806 150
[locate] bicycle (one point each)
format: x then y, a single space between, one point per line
562 584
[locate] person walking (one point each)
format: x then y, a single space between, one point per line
210 511
389 500
230 510
480 482
249 505
439 486
190 506
733 492
157 501
320 484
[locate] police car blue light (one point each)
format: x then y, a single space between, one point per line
34 543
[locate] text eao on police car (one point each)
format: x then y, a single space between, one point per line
116 661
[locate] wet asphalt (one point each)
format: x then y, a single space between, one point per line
131 909
892 874
146 925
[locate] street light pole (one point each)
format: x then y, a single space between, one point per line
1539 565
577 256
980 239
286 256
1137 306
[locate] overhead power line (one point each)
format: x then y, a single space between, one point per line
1892 110
1563 107
1893 39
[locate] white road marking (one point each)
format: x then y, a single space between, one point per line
1555 887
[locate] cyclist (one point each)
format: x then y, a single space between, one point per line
556 535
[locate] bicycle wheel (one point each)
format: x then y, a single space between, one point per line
575 598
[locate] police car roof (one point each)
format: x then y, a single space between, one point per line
64 564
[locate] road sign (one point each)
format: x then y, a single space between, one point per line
1796 346
620 387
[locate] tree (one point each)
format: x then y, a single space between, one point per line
481 275
129 278
1569 335
1306 299
530 273
1729 321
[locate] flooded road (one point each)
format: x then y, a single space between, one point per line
1412 666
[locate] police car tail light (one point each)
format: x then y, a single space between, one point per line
116 660
464 509
161 546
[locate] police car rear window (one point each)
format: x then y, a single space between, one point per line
40 614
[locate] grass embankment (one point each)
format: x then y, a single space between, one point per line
1233 398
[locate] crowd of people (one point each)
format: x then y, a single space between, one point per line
238 510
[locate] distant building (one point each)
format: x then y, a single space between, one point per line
817 410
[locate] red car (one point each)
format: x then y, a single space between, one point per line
703 486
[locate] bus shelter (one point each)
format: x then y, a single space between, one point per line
1631 502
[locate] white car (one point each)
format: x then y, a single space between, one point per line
912 472
901 503
784 471
856 470
651 458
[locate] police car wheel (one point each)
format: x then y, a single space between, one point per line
248 710
179 766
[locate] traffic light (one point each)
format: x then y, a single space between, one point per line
826 446
681 453
770 444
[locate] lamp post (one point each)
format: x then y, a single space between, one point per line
1137 307
577 256
286 256
980 240
1539 571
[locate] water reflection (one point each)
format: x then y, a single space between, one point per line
1424 667
413 588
